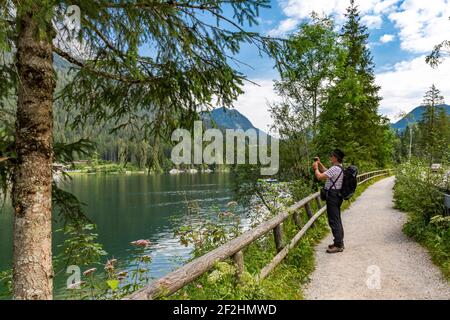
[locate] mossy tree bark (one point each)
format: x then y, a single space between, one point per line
32 184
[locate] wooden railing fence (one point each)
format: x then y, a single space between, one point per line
234 249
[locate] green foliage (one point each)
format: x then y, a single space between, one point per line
434 127
114 282
285 282
219 228
350 119
330 99
439 53
306 70
419 192
80 247
416 190
186 61
144 67
5 284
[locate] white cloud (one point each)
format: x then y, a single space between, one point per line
297 10
422 24
385 7
300 9
283 28
372 21
254 103
387 38
403 87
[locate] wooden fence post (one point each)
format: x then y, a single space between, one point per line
308 211
297 220
238 259
278 235
319 203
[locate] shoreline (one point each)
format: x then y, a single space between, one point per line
140 173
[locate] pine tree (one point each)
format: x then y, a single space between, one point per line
350 119
432 124
129 59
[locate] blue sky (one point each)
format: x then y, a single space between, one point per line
402 33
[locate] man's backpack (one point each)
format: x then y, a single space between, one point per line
349 183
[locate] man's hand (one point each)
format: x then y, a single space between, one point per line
315 165
321 167
317 173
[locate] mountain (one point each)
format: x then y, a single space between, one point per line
414 116
224 118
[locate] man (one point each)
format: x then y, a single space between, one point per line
334 178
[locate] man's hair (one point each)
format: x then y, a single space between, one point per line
339 154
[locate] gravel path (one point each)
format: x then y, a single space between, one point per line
375 245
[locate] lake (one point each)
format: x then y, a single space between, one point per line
131 207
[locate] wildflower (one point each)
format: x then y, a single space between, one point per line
109 266
141 243
214 276
122 274
146 259
199 286
232 204
75 285
89 271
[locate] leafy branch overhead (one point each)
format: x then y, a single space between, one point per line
439 53
142 65
148 56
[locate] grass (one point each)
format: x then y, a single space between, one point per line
433 238
416 194
284 283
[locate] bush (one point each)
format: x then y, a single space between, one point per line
417 192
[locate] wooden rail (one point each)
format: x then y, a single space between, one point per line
234 249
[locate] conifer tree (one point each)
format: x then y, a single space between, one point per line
131 59
350 118
433 125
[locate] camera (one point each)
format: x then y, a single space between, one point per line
316 159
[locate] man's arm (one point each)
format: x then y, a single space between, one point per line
319 175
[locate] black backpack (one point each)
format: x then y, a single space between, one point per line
349 183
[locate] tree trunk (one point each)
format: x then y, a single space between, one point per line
32 187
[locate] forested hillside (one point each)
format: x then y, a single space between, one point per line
415 116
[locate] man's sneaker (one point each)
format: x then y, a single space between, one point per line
331 246
335 249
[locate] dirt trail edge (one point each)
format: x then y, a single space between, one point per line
379 261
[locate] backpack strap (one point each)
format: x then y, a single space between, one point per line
334 182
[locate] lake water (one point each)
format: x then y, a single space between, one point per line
131 207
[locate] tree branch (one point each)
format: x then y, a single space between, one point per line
104 74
